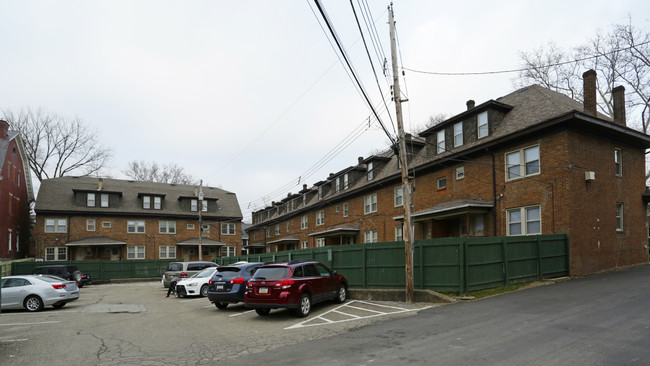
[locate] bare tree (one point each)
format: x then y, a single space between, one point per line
152 172
57 146
620 56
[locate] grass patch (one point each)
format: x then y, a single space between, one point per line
499 290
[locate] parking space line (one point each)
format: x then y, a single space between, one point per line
13 340
238 314
191 300
36 323
324 321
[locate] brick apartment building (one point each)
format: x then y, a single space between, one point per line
83 218
531 162
16 193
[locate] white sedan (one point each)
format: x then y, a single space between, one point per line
34 292
197 284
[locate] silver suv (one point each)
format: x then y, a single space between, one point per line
184 270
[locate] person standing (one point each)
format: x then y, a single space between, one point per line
172 286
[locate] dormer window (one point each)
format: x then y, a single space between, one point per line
371 171
441 141
320 193
104 200
146 202
194 205
90 200
482 124
458 134
345 181
337 184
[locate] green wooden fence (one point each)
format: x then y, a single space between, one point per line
105 269
455 265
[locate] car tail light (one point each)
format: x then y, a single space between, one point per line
237 281
59 286
210 282
284 284
183 275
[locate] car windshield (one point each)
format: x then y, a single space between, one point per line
175 267
205 273
271 273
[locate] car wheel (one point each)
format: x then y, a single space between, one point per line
80 284
221 305
204 290
33 303
341 295
59 306
304 306
262 312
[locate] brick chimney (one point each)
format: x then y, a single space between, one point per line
4 129
589 90
618 95
360 160
470 104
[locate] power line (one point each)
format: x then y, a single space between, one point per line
525 68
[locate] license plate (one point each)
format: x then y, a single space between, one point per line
75 295
219 287
264 290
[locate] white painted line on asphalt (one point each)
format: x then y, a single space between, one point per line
346 314
321 317
238 314
13 340
37 323
368 310
191 300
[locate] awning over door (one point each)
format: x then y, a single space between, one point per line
287 240
337 231
450 209
205 242
94 242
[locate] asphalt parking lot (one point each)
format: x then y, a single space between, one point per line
134 324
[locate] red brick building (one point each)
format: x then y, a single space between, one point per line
531 162
83 218
16 193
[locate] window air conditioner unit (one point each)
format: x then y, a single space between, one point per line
590 175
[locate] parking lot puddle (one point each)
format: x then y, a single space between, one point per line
115 308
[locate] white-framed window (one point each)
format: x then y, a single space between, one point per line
106 224
524 221
56 225
90 225
190 227
337 184
194 205
398 196
135 226
228 228
370 204
228 251
618 162
304 222
167 227
320 193
204 206
304 245
103 200
441 183
345 210
619 216
268 232
56 253
135 252
346 181
9 242
460 172
90 199
320 218
277 229
530 158
167 252
441 141
157 203
370 236
304 199
320 242
287 228
399 233
458 134
146 202
482 124
371 171
338 209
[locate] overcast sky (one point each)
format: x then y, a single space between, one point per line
249 95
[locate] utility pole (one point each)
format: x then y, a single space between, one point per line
200 203
406 186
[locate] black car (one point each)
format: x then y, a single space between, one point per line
70 273
228 284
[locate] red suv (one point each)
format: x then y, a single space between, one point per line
296 285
